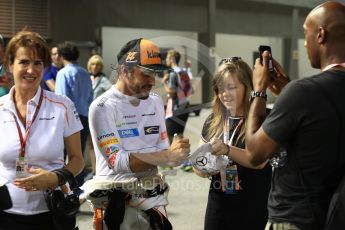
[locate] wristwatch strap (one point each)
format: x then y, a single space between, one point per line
254 94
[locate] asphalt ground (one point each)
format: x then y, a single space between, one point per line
188 192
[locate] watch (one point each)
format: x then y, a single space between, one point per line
254 94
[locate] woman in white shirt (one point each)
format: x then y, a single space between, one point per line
36 126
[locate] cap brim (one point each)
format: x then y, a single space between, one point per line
158 68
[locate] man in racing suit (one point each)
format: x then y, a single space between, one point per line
129 136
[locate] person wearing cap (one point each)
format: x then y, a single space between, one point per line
128 131
238 195
5 78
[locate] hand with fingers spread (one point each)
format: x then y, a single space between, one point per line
39 179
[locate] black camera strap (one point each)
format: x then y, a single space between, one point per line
66 176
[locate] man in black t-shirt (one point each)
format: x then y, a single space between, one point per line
307 120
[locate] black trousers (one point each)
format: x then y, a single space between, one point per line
84 133
43 221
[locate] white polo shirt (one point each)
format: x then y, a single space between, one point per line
119 127
56 119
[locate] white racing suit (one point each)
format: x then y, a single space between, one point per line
120 125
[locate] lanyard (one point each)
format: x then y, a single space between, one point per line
226 131
333 65
26 137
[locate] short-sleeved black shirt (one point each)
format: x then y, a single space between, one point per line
304 121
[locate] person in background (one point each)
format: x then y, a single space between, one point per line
100 84
242 202
35 127
176 121
6 80
188 68
49 76
74 82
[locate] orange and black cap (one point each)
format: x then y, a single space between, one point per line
141 52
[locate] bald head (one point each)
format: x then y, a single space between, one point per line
331 17
324 30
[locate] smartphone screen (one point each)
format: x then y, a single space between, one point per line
270 62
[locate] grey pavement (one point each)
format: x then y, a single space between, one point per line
188 192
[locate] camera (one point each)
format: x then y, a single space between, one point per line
262 48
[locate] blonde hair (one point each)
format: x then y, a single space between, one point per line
243 73
95 59
175 54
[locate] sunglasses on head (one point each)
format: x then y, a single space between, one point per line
229 60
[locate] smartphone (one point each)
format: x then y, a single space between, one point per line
270 62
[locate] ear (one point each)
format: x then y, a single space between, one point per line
321 35
122 69
124 72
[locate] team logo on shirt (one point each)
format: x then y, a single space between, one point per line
46 118
102 101
125 133
105 135
9 121
111 141
129 116
120 124
112 149
148 114
112 160
151 130
75 113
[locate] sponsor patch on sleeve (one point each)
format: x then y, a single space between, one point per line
163 135
112 160
111 149
108 142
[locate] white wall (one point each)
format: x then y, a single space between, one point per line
230 45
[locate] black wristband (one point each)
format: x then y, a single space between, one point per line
62 175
